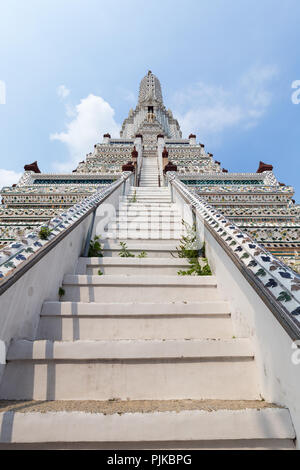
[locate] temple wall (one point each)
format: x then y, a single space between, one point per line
22 302
251 318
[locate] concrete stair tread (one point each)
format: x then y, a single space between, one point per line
24 350
154 190
142 245
94 422
134 261
144 280
149 213
142 235
150 203
55 308
130 406
174 219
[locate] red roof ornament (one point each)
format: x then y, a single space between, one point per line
170 167
160 136
192 136
134 153
106 135
264 167
128 167
165 153
224 170
32 167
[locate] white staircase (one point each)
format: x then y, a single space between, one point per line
149 170
141 355
147 214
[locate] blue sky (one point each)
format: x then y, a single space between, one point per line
72 68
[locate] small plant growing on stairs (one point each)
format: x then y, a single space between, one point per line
100 273
44 233
95 249
124 253
143 254
61 292
188 249
133 197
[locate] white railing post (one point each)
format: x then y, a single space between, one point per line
160 147
139 148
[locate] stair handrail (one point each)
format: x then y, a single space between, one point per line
282 291
160 163
22 254
140 171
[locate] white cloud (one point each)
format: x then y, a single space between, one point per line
63 91
209 110
8 177
92 117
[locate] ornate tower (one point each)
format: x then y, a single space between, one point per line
150 110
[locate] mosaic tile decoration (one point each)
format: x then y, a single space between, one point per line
274 276
17 252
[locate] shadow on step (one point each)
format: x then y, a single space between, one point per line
253 444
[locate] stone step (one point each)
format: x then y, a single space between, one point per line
132 369
141 234
150 197
163 202
138 189
112 248
147 424
148 206
164 246
155 190
159 212
144 234
139 288
148 266
151 192
147 225
148 200
172 219
205 308
155 222
69 321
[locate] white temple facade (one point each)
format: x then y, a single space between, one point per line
146 300
257 202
